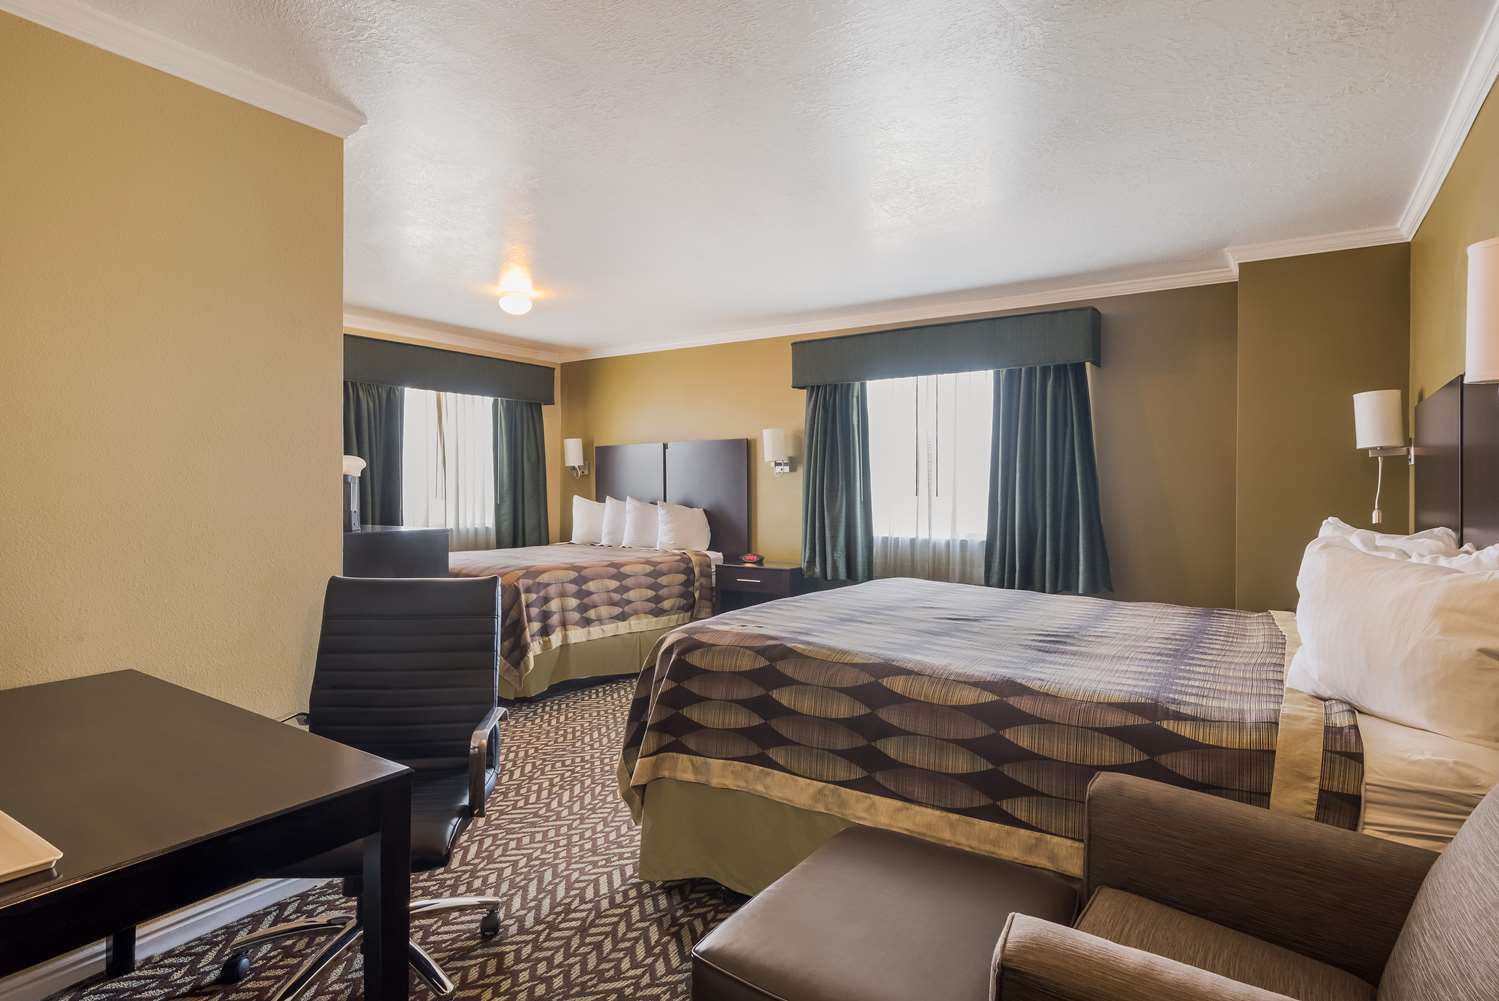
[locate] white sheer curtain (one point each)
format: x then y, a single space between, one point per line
447 466
929 471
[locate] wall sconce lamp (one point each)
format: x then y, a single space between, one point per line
572 456
1379 427
774 449
353 467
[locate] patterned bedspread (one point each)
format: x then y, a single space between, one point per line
972 716
552 595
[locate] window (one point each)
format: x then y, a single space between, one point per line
929 473
447 466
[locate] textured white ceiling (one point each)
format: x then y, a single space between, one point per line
676 170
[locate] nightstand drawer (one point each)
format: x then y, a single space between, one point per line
761 579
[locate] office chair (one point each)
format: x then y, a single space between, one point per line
407 669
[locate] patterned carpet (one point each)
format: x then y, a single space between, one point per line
556 843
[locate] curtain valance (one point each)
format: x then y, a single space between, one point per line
1059 337
392 363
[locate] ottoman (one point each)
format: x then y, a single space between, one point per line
875 916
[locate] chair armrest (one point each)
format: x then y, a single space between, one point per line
1334 895
479 745
1037 960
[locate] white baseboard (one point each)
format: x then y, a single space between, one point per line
164 933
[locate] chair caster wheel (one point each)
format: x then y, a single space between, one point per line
235 969
489 924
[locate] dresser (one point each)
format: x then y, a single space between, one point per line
396 551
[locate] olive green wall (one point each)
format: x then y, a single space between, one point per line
1465 211
1163 413
171 296
1312 331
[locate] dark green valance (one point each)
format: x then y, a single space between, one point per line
392 363
1059 337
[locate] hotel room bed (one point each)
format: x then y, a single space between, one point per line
569 612
966 715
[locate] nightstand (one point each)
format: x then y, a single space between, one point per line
740 585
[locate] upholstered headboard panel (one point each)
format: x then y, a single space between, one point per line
712 475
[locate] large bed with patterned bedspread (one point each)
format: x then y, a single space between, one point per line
966 715
570 611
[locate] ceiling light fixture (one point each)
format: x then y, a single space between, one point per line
516 292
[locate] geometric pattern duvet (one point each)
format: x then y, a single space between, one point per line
969 715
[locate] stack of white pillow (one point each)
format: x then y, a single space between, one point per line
1403 627
638 525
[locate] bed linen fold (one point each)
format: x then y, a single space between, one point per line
967 715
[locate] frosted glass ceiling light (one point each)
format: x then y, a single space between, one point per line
516 292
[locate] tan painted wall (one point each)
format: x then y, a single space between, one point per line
1163 408
1312 331
1465 211
551 417
170 310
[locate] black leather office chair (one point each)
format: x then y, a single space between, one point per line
408 670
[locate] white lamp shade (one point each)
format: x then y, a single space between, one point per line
1378 419
1483 312
353 465
773 445
572 451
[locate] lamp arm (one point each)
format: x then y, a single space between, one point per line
1378 515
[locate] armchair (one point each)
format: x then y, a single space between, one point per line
1196 897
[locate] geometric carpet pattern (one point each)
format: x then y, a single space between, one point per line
556 844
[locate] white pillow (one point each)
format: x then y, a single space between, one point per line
680 527
1409 642
612 532
1431 542
640 524
1467 558
588 522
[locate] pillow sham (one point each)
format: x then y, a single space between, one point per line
613 530
640 524
1467 558
1431 542
681 527
1409 642
588 522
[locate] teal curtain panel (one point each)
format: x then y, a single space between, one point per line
520 475
373 414
837 528
1045 528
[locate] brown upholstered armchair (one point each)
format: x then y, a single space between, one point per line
1191 896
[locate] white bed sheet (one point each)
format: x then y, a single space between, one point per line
1419 786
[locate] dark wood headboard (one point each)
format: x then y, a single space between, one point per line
1457 461
712 475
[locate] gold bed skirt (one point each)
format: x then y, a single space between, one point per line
601 657
737 839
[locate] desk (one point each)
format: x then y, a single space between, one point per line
158 797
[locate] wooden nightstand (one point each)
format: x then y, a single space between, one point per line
740 585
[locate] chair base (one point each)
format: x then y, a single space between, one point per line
346 931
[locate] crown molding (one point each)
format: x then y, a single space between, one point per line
1353 239
361 320
1478 79
1047 295
78 20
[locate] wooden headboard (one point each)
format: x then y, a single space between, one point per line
712 475
1457 461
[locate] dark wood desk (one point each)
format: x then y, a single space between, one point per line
158 797
395 551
